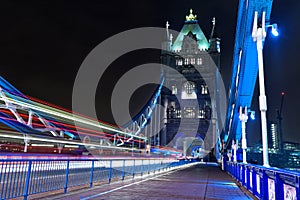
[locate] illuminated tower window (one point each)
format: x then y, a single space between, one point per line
178 113
188 91
204 89
201 114
178 61
189 87
199 61
218 46
186 61
193 61
189 112
174 89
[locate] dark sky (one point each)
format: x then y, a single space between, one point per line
43 43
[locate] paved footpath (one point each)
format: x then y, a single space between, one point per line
202 181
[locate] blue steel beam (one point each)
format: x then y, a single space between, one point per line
7 86
245 65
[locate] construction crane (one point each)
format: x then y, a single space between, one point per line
279 119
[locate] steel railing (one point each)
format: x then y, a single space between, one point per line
266 182
26 177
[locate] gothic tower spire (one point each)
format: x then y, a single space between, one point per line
213 28
214 44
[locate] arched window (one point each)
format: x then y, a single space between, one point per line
189 87
199 61
201 114
193 61
178 61
204 89
188 91
178 113
186 61
174 89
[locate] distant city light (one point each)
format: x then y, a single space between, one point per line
282 93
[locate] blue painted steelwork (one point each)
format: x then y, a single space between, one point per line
11 122
7 86
16 125
143 117
245 65
92 173
24 177
266 182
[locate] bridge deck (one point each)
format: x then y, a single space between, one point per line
204 181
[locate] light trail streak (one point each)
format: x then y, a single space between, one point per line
62 114
60 141
69 130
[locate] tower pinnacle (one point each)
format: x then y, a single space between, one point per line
213 28
191 16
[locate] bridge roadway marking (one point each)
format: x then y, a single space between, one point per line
204 181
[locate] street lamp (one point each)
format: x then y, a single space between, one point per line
252 114
244 118
274 29
259 34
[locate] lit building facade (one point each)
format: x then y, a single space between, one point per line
273 135
189 94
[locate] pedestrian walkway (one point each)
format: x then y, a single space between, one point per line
202 181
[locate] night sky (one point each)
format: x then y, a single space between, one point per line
43 43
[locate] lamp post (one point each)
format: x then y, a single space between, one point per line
244 118
259 35
234 148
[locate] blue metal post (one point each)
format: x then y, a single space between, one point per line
298 187
11 175
14 184
259 194
67 177
247 171
148 166
242 174
254 186
110 171
3 191
142 167
264 187
123 171
245 176
239 168
26 192
1 170
92 173
279 193
236 171
133 168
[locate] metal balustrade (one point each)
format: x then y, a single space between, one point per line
26 177
266 182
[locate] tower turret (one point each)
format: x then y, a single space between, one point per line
214 44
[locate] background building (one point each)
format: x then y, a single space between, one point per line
273 135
